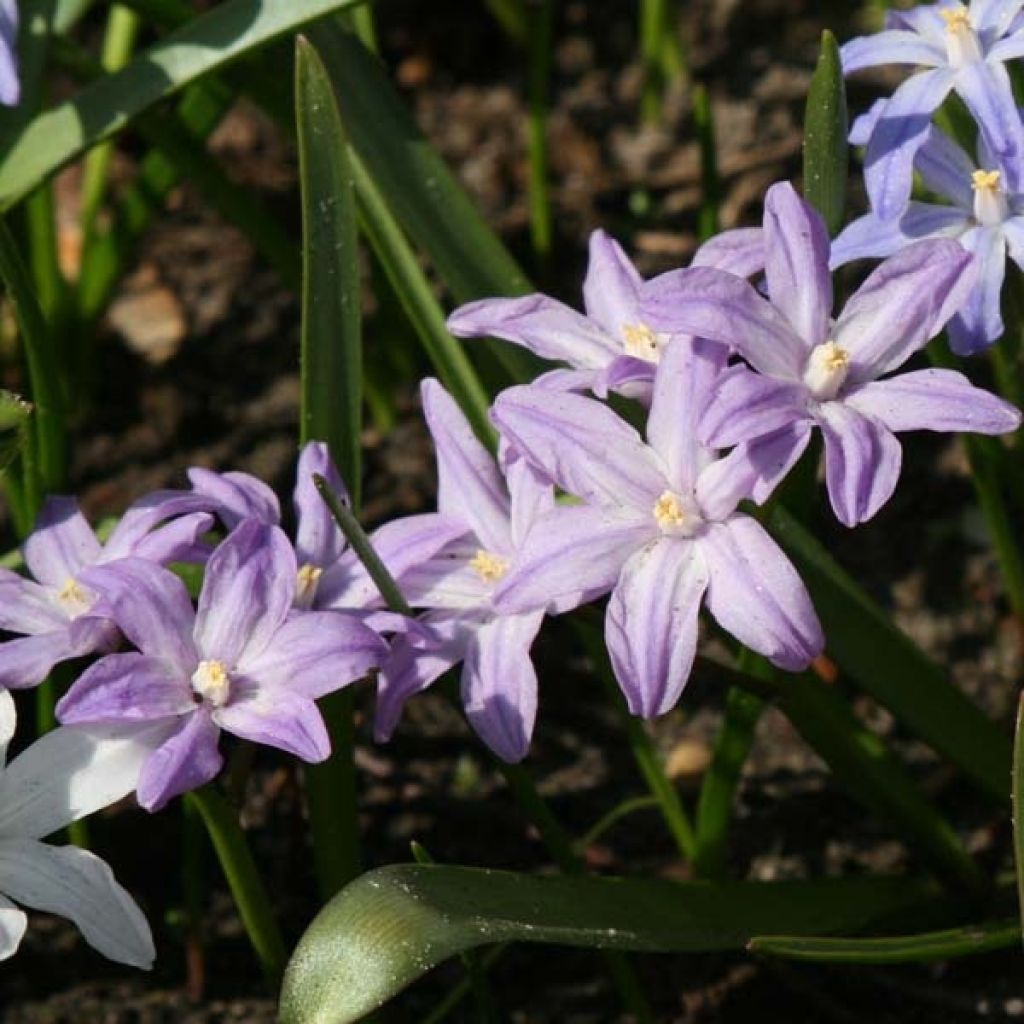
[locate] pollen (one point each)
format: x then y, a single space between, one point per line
986 181
307 579
827 367
74 597
957 19
212 683
641 342
675 515
489 566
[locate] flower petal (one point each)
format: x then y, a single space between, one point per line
247 592
236 496
869 237
315 653
946 169
574 550
28 660
28 607
902 305
318 540
899 134
13 922
447 580
895 46
740 252
77 885
541 324
994 15
687 374
721 307
582 445
1010 48
651 623
796 263
151 607
610 289
942 400
979 321
747 405
862 462
61 544
133 537
756 594
531 494
187 759
70 772
8 722
924 19
126 687
278 718
499 683
469 486
179 541
985 88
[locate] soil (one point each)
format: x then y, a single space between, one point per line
198 366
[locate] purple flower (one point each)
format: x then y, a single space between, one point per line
962 49
658 528
610 348
813 371
243 662
56 609
499 684
10 86
985 218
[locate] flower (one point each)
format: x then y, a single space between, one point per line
60 778
499 683
986 218
10 86
56 610
610 348
244 662
813 371
658 528
963 49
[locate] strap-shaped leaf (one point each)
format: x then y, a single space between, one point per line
893 949
392 925
14 415
826 151
1018 805
889 666
229 31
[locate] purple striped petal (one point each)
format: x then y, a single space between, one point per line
318 540
756 594
180 541
541 324
1013 232
469 486
236 496
869 237
135 534
61 544
1010 48
986 89
721 307
276 717
651 624
185 761
531 494
862 462
924 19
894 46
748 405
902 305
611 287
979 321
946 169
740 252
942 400
27 661
796 263
994 15
28 607
582 445
10 85
499 683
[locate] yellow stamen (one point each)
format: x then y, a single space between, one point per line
827 367
212 682
641 342
986 181
489 566
676 516
305 587
957 19
75 598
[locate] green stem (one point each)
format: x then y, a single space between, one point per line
1017 805
193 842
247 887
538 41
613 817
711 184
653 19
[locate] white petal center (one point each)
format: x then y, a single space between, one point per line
962 43
74 599
991 207
307 580
489 566
641 342
212 682
677 516
826 370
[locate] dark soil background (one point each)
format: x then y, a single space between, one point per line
198 366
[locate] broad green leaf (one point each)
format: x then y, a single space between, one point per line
1018 805
392 925
417 185
895 949
889 666
229 31
14 415
826 151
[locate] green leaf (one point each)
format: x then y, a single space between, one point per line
229 31
392 925
14 416
419 188
895 949
1018 804
826 127
889 666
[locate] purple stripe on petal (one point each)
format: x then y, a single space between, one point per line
796 263
499 683
582 445
946 169
891 47
651 623
610 289
27 607
10 85
448 579
27 661
179 541
942 400
1010 48
862 462
247 593
740 252
318 540
756 594
986 89
236 496
126 687
924 19
185 761
278 718
133 537
1013 232
747 405
869 237
61 544
979 322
